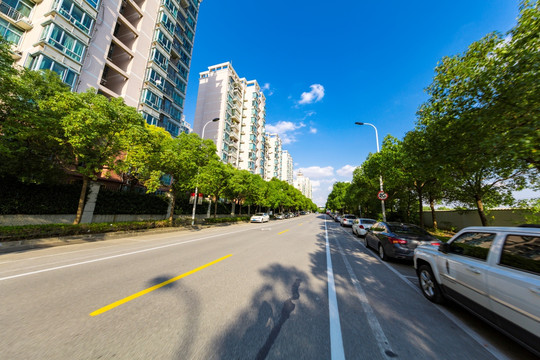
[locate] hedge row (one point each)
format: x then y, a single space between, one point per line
111 202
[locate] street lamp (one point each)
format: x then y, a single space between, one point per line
196 187
380 177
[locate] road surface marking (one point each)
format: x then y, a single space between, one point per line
382 340
473 334
283 232
300 224
336 340
155 287
119 255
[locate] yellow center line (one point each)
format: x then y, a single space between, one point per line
155 287
283 232
300 224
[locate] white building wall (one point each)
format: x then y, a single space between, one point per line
303 184
273 163
286 167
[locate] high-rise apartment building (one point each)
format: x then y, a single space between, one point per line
274 157
286 167
137 49
240 106
303 184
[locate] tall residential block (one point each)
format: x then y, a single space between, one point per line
303 184
273 158
287 173
137 49
240 106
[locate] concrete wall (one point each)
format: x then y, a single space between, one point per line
447 219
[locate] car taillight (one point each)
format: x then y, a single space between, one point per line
361 226
434 243
394 240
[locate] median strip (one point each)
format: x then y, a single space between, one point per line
155 287
283 232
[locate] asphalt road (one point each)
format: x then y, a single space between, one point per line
301 288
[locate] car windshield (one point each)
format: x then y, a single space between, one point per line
368 222
405 229
259 214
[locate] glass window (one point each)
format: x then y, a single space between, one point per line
155 78
151 99
23 7
167 23
472 244
10 32
151 120
93 3
160 59
163 40
60 39
407 229
75 15
42 62
522 252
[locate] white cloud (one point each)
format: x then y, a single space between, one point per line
267 90
317 172
316 94
286 130
347 170
315 184
313 130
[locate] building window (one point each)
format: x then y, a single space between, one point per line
10 32
93 3
163 40
151 120
155 78
67 44
160 59
75 15
151 99
16 9
167 23
171 7
42 62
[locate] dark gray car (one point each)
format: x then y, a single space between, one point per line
397 240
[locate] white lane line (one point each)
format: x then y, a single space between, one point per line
115 256
382 341
473 334
336 340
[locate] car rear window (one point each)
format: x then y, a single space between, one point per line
522 252
368 222
350 217
407 230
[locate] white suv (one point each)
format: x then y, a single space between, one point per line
492 271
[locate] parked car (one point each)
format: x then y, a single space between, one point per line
280 216
260 217
337 218
492 271
397 240
361 226
347 220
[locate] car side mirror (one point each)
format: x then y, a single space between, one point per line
444 247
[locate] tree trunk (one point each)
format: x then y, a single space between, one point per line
240 212
480 207
249 209
173 202
420 207
433 214
215 210
82 198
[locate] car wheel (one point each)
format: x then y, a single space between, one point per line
382 253
428 284
365 242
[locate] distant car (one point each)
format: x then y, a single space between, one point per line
280 217
361 226
397 240
260 217
337 218
493 272
347 220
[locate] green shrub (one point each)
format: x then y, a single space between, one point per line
226 219
111 202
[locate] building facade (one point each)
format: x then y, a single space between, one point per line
240 106
287 173
303 184
136 49
274 158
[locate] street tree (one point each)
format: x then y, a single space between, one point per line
214 180
93 133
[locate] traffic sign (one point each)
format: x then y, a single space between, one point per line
382 195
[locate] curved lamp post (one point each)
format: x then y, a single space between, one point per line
380 177
196 187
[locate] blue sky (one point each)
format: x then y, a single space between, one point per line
326 65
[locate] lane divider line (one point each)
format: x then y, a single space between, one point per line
283 232
336 340
155 287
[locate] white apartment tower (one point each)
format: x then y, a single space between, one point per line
240 106
274 156
303 184
286 167
137 49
